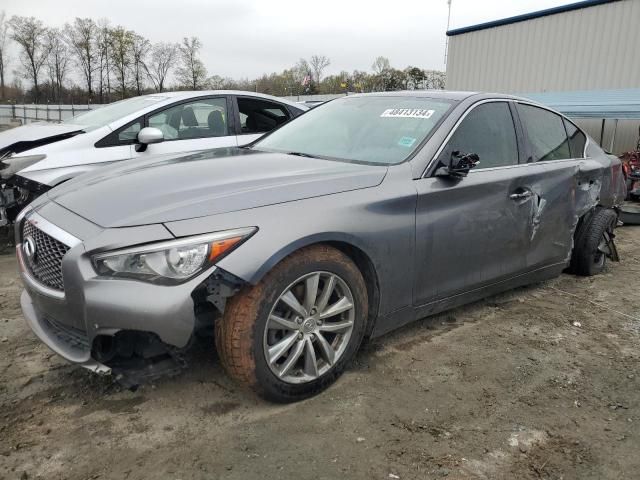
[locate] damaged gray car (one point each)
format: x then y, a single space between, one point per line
362 215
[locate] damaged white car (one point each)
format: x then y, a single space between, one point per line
37 157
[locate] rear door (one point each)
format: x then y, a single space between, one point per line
198 124
554 154
257 116
471 232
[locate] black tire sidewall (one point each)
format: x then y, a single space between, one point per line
589 237
270 385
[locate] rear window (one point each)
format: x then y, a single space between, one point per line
545 132
577 139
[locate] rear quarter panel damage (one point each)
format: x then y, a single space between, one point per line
599 182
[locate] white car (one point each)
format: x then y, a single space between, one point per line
39 156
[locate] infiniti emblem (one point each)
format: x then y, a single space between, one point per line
309 325
29 247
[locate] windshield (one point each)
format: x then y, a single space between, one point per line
381 130
114 111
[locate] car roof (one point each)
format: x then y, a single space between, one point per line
444 94
185 94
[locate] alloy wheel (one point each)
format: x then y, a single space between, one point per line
309 327
603 250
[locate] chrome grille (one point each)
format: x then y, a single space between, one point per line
45 262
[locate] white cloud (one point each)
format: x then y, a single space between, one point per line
250 37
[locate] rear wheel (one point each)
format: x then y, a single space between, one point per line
594 243
291 335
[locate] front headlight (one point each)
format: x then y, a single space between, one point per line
171 262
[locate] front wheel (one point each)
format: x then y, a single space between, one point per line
291 335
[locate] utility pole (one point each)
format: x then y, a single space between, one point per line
446 44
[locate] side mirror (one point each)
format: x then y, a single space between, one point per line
147 136
459 165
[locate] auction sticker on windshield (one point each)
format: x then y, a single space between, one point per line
406 142
407 113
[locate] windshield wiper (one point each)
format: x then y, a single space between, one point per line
301 154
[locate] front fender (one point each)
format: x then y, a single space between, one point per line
378 221
52 177
261 270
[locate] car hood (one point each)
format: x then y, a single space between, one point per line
158 190
34 135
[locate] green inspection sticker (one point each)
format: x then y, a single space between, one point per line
406 141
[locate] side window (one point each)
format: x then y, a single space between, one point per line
124 136
577 139
545 132
259 116
129 134
202 118
487 131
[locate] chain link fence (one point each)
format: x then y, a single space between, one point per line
21 114
27 113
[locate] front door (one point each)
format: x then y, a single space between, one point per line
198 124
473 231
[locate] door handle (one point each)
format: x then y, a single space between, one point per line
524 194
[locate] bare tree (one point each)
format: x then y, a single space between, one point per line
29 34
301 69
160 63
191 72
216 82
82 37
318 64
4 57
104 70
120 43
57 60
301 75
380 64
139 49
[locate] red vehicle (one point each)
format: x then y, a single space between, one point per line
630 211
631 167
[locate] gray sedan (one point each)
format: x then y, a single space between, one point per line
358 217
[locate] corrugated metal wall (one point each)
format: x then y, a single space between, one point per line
592 48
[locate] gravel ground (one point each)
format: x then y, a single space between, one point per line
542 382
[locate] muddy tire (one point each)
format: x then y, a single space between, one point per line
588 258
292 335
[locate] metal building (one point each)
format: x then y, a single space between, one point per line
583 46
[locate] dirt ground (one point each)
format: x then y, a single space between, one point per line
543 382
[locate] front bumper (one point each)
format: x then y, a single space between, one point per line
69 321
64 343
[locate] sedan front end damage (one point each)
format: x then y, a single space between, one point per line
15 191
88 318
